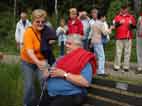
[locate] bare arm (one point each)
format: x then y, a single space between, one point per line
41 64
79 80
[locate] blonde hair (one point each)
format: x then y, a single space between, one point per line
73 10
38 13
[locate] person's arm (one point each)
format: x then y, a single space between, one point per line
138 26
41 64
31 54
132 23
83 80
117 22
58 31
81 28
28 44
17 35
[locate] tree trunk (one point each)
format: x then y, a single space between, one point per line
14 12
137 6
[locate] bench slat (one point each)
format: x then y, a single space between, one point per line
113 84
116 96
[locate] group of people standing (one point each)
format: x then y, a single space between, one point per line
68 77
90 30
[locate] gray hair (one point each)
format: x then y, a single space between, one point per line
76 38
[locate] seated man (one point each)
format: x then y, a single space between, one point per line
71 75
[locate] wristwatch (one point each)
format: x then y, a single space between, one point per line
65 75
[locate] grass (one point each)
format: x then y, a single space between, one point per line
11 85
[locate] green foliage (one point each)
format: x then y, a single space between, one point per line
114 8
7 28
11 85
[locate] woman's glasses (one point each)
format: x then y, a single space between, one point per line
40 22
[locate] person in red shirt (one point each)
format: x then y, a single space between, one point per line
74 24
124 22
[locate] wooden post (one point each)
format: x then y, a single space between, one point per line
14 13
56 11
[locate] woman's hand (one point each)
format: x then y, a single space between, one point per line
42 64
56 72
46 73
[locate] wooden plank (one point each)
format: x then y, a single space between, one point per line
107 101
113 84
97 102
137 101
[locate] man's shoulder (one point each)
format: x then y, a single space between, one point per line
19 23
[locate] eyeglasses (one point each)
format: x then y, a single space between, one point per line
40 22
68 43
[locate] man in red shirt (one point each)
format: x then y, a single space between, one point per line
74 24
124 22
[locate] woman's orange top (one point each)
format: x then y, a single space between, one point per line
31 42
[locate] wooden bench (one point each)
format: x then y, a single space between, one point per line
112 93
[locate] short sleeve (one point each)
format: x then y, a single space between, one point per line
28 39
87 73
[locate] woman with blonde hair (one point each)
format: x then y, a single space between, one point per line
75 26
33 62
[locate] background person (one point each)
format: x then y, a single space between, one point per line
124 22
61 33
71 75
32 59
94 14
139 43
22 24
86 28
75 26
96 41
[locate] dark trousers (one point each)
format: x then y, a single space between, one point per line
62 48
72 100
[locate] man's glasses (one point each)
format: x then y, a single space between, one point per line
68 43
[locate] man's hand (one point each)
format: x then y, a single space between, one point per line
18 45
122 21
56 72
130 21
